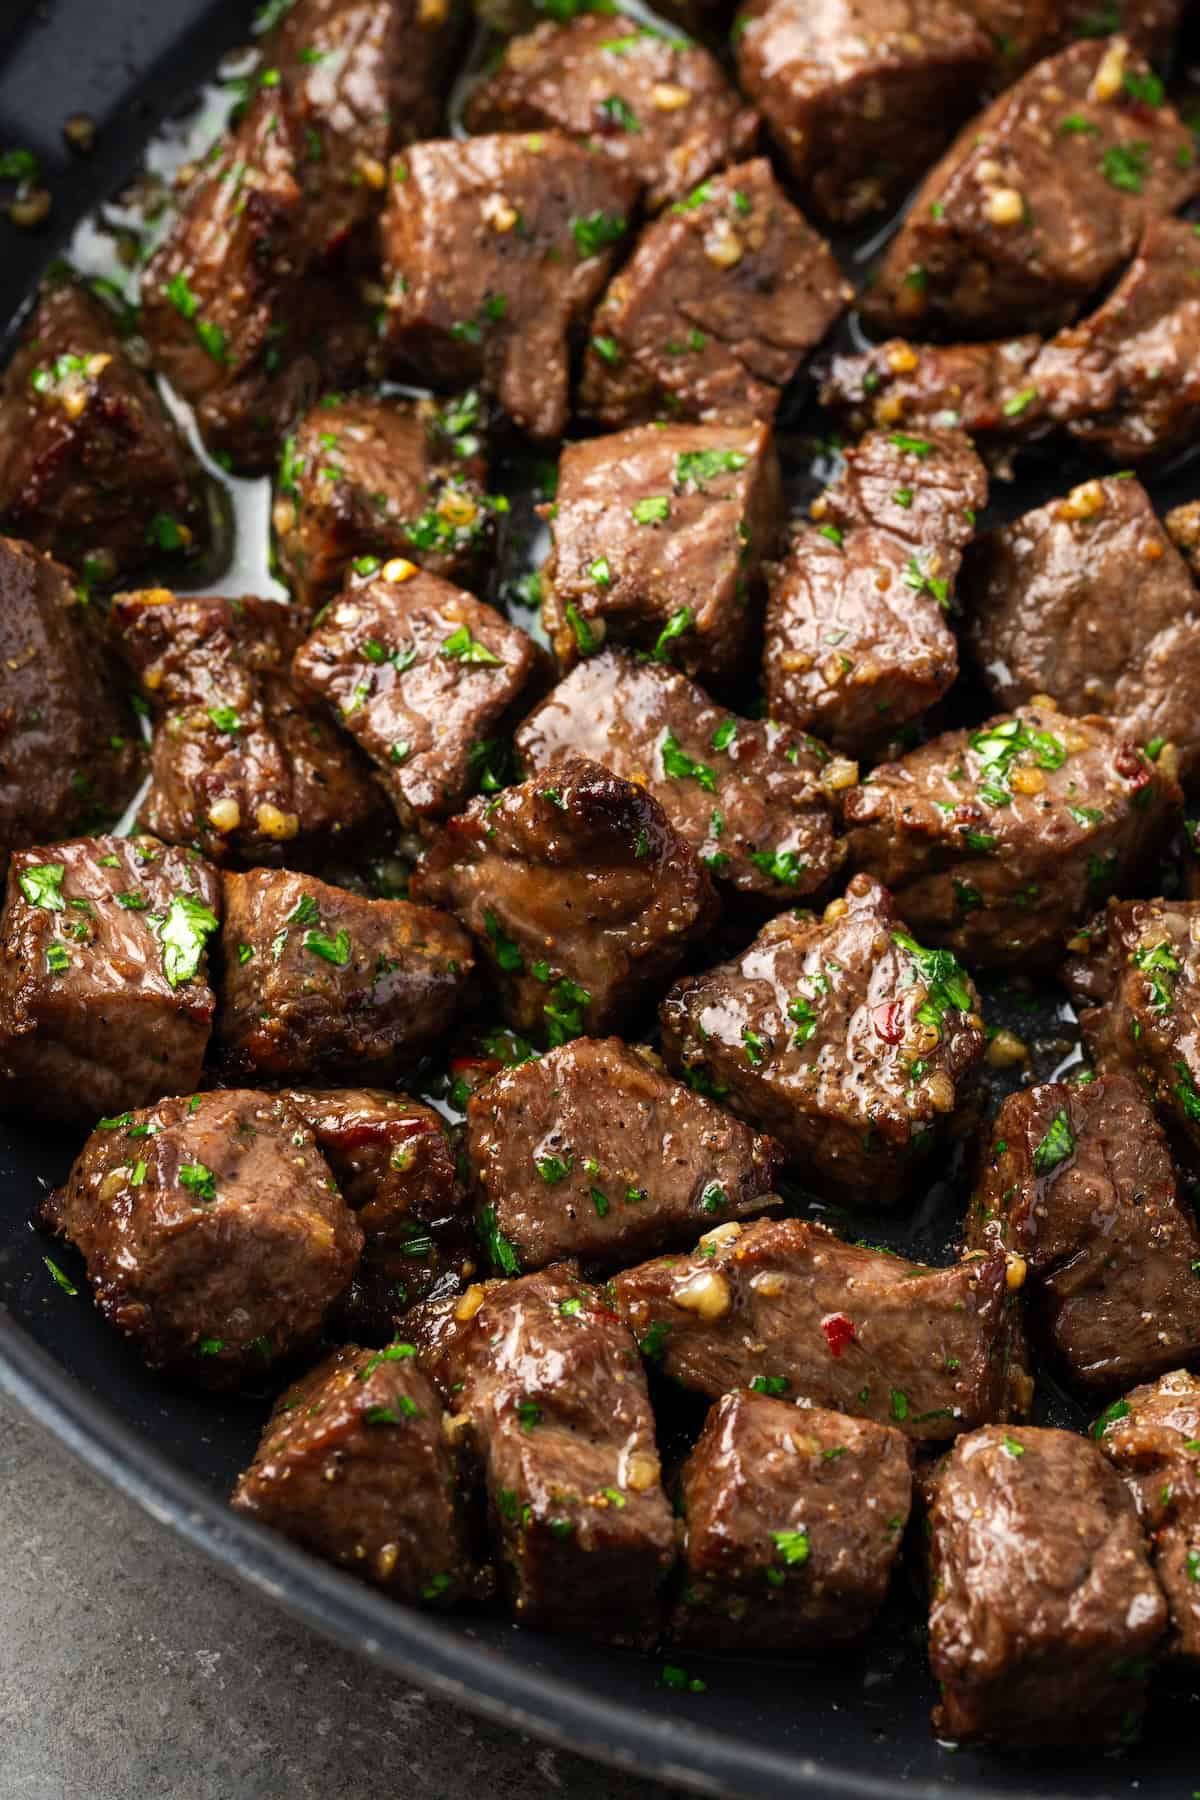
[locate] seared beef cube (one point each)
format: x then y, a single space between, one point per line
495 250
546 1387
842 1037
578 891
591 1152
241 764
792 1523
319 980
1079 1184
655 104
788 1309
860 96
752 800
1087 598
723 298
1040 201
104 995
69 758
214 1234
1044 1605
659 539
91 467
984 388
420 674
365 478
1183 529
996 841
857 641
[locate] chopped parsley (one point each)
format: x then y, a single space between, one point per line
505 952
679 622
699 466
596 231
184 932
679 766
42 886
198 1180
1057 1145
462 647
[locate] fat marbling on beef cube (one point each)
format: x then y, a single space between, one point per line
364 478
723 298
1040 200
319 980
546 1386
752 799
857 637
241 763
421 675
786 1308
983 388
354 1465
860 96
495 249
69 758
91 467
591 1152
214 1234
104 994
653 102
659 537
1079 1183
996 841
793 1519
1087 598
1044 1608
842 1037
578 891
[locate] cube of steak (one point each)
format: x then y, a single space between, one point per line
91 467
69 756
319 980
723 298
241 764
1183 529
546 1385
1044 1605
578 891
792 1524
659 536
860 96
495 249
367 478
214 1234
996 841
752 801
656 105
1038 202
1087 598
842 1037
419 673
104 995
1079 1183
984 388
789 1309
857 642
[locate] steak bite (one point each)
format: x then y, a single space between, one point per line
1079 1183
750 798
104 995
1087 598
546 1388
420 674
578 891
319 980
860 96
214 1235
857 640
996 841
792 1524
241 764
1039 201
531 224
353 1464
842 1037
983 388
787 1308
722 300
659 536
1044 1606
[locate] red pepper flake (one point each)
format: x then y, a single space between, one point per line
888 1020
839 1331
